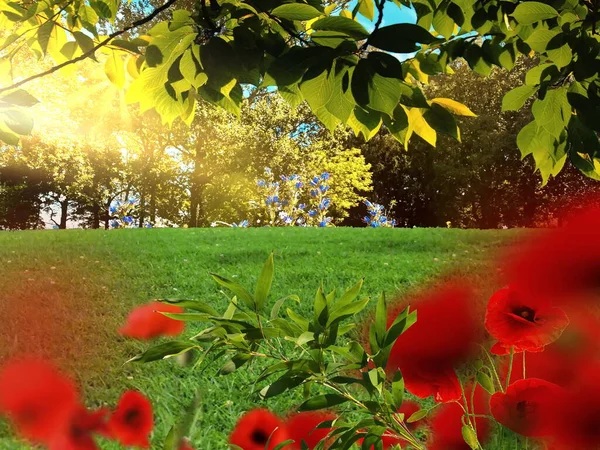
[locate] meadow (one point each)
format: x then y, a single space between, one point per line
65 294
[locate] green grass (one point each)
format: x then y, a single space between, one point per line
66 293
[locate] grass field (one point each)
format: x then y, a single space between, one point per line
65 293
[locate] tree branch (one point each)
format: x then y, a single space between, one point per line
89 53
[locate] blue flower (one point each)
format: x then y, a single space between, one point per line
128 220
294 177
325 176
324 204
315 181
393 223
301 206
132 202
149 225
268 200
283 178
366 219
285 202
268 171
276 199
113 209
382 219
323 188
114 224
312 213
243 224
314 193
368 203
299 185
375 224
260 183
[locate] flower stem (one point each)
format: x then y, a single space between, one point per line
524 373
510 365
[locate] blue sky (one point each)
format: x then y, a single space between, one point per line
392 14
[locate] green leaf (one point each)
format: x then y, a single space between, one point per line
235 363
527 13
400 38
19 97
376 82
263 287
17 121
541 73
279 303
322 402
553 112
514 99
548 153
365 121
398 389
561 56
340 313
398 125
443 23
343 25
470 437
296 11
88 18
44 33
442 121
163 351
190 304
415 417
238 290
126 45
540 39
298 319
380 323
8 137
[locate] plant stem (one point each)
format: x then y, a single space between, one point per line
493 368
524 373
510 365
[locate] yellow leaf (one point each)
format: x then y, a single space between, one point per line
132 67
421 127
346 13
454 107
329 9
115 70
414 69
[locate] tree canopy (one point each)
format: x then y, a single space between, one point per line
321 53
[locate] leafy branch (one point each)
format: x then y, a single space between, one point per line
93 50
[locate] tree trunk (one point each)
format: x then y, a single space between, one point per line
142 210
153 205
64 212
95 215
198 181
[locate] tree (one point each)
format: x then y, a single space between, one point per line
21 189
481 182
320 53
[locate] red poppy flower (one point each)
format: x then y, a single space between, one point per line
443 337
522 321
302 427
446 424
132 422
525 406
36 397
78 434
562 264
256 428
146 322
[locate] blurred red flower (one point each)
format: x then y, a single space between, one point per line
36 397
443 337
522 321
185 445
79 431
302 427
562 361
446 424
132 421
146 322
257 427
525 406
576 413
562 264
